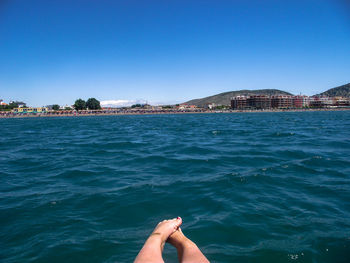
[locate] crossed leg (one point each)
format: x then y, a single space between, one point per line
169 231
187 251
151 251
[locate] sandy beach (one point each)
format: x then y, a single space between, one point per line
146 112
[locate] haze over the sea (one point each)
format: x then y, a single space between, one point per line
168 52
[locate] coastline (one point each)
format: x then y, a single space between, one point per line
145 112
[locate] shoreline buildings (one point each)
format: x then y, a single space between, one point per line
261 102
238 103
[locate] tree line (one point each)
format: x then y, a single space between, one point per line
91 104
10 106
80 104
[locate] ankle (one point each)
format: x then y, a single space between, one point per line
183 242
155 239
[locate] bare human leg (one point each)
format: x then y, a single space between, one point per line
151 251
187 251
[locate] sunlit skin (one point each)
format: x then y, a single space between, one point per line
169 231
187 250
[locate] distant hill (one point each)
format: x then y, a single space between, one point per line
225 98
341 91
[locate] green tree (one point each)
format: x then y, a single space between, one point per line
55 107
16 104
13 105
5 108
93 104
136 106
80 104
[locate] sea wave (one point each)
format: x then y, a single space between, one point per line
250 187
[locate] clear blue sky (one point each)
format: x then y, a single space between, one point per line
169 51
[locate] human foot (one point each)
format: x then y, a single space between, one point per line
177 238
167 227
153 247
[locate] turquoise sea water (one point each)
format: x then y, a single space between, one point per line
250 187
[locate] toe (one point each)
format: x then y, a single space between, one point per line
178 222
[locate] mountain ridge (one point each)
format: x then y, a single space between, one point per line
224 98
340 91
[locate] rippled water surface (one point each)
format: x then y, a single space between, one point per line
250 187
